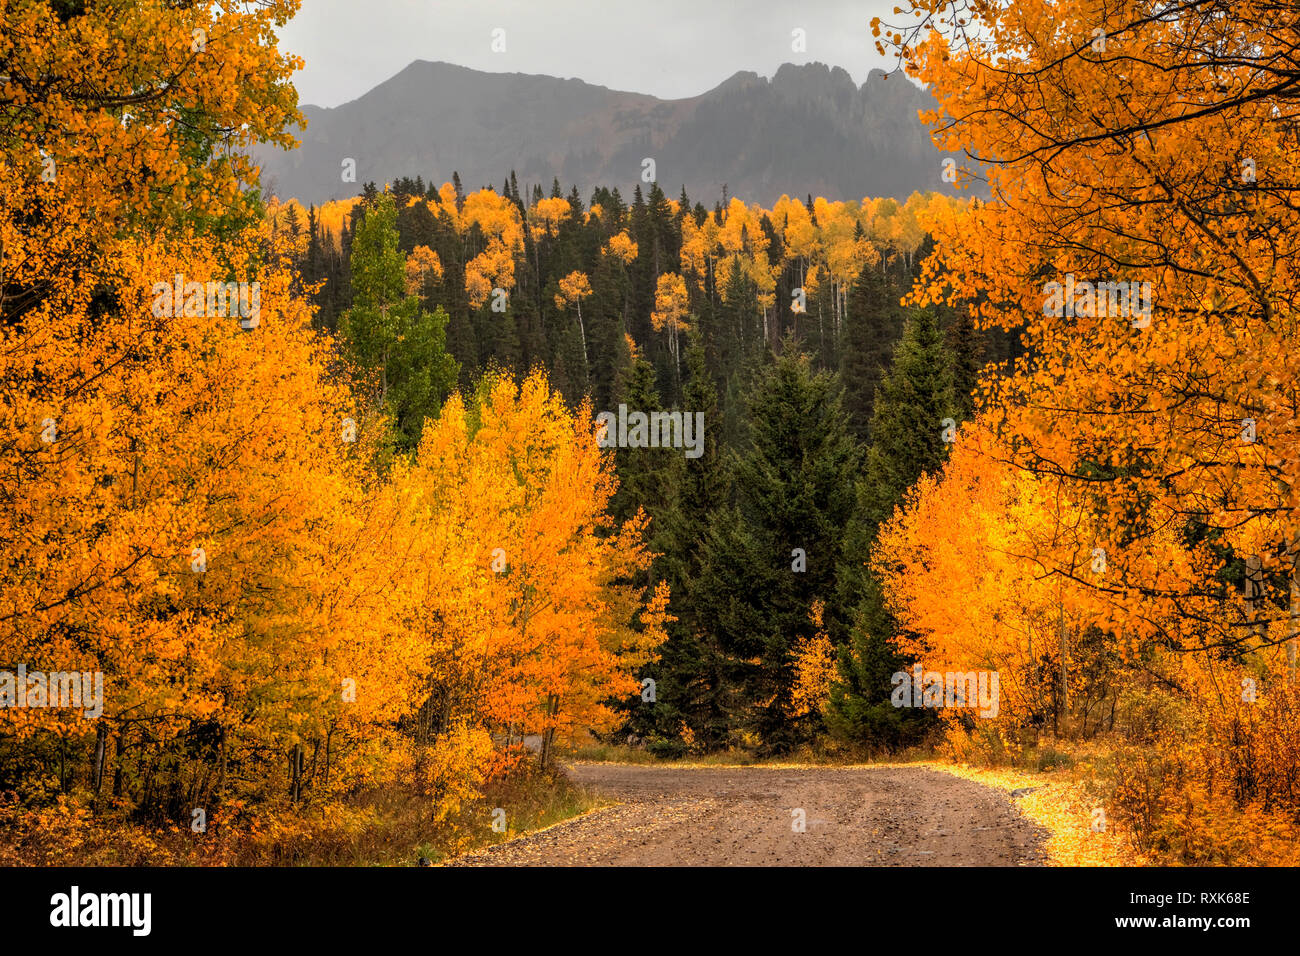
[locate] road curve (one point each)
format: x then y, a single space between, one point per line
745 816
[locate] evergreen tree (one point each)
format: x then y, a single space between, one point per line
689 673
966 344
641 272
906 441
606 333
313 270
906 430
641 471
872 327
768 559
397 348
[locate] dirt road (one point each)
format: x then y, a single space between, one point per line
744 816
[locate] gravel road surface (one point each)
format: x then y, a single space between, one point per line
744 816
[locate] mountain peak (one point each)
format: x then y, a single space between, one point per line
741 79
807 129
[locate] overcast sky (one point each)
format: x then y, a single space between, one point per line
670 48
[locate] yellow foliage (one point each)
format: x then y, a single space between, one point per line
814 667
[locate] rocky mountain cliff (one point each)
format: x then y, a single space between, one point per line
808 129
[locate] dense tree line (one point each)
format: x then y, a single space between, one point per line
251 574
823 401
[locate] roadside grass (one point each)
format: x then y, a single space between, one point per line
529 801
1063 801
532 802
393 826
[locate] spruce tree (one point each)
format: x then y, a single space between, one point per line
872 327
397 348
907 440
689 672
906 430
641 471
782 547
966 343
313 270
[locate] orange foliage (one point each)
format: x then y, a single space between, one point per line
191 510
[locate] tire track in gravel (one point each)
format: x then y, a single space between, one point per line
742 816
